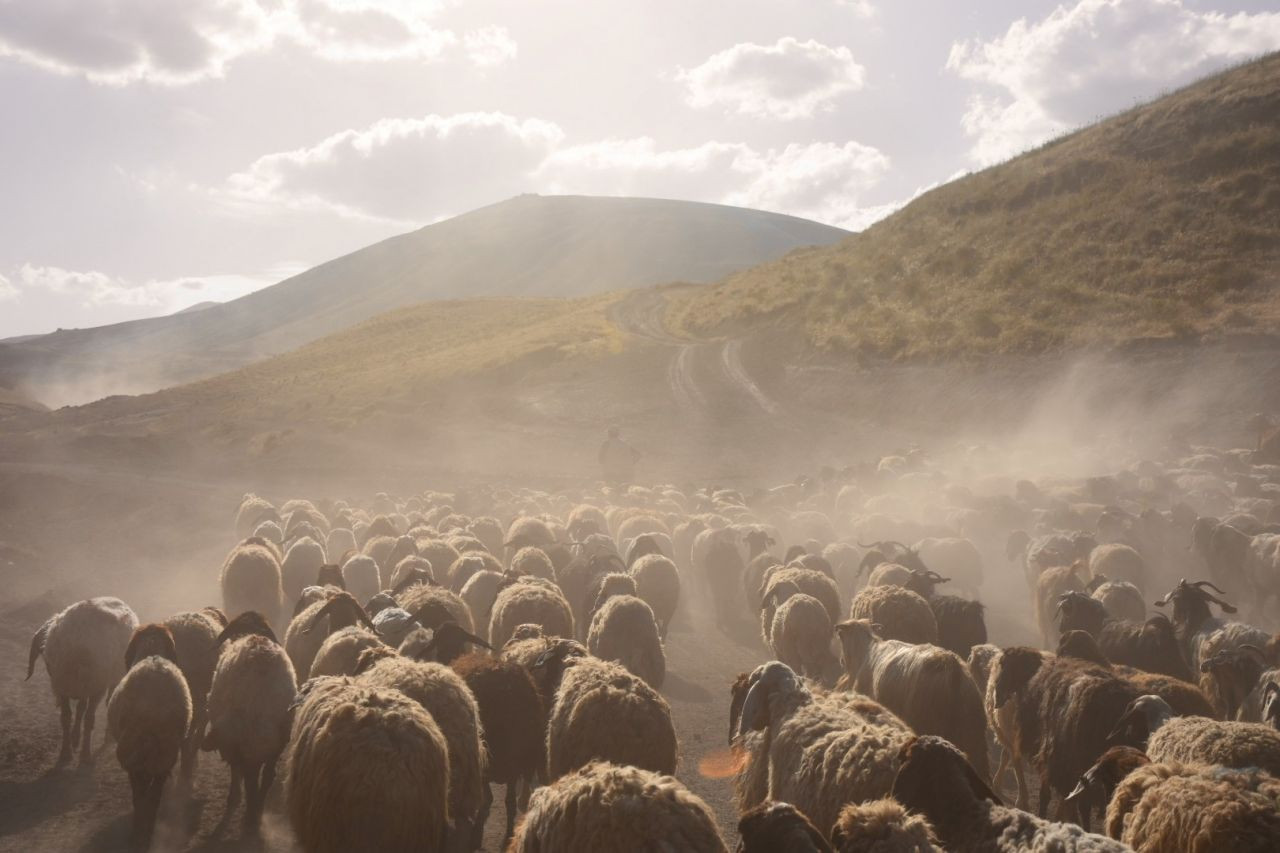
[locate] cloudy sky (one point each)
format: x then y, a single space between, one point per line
155 154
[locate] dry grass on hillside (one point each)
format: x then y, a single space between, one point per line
1160 223
396 358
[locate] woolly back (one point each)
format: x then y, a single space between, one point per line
367 769
882 826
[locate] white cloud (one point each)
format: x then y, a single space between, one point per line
819 180
787 80
94 289
8 292
1084 61
403 170
490 46
174 42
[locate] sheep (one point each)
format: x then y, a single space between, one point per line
367 769
607 585
1149 720
339 541
603 712
533 561
774 826
957 558
1197 809
513 720
1099 782
935 781
882 826
362 577
149 715
530 600
250 580
984 666
807 580
252 511
961 625
195 637
83 648
1051 585
1242 676
606 808
1122 599
544 657
885 573
479 592
1152 646
445 644
412 566
309 629
270 531
902 614
300 565
658 583
445 696
625 631
720 567
469 564
250 703
1237 557
801 632
431 605
928 687
1200 634
339 654
1064 710
1119 562
817 754
527 531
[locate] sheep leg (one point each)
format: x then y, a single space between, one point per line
1001 766
251 803
512 787
146 808
191 747
78 726
91 710
268 779
1024 793
477 830
1042 807
64 711
233 794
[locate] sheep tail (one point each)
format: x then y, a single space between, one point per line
37 647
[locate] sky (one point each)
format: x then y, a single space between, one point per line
157 154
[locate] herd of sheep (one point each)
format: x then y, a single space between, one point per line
404 656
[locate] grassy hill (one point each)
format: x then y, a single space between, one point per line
530 246
1160 223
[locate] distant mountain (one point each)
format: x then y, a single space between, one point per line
527 246
1158 224
199 306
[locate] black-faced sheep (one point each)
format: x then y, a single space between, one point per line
928 687
368 769
513 722
249 708
961 624
1149 721
607 808
149 716
310 628
772 826
1151 646
935 781
83 648
603 712
817 754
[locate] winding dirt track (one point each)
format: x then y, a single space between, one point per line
707 378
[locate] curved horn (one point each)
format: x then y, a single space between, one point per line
476 641
750 709
1202 584
322 612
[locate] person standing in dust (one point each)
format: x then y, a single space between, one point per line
618 459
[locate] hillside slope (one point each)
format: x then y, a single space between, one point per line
1160 223
560 246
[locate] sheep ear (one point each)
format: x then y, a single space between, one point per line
315 620
37 646
131 653
981 790
754 710
476 641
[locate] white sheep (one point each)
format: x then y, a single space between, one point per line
83 648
